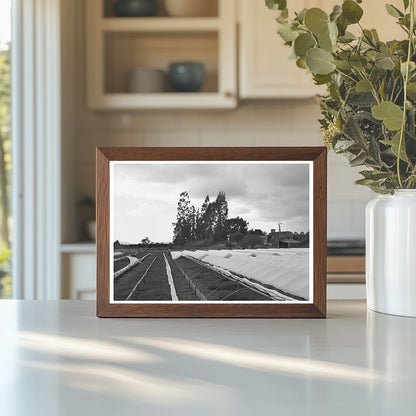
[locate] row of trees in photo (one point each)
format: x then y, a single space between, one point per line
209 225
210 222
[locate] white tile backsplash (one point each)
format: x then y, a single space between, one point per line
216 120
174 138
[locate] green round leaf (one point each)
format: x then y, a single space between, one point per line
351 11
301 15
276 4
301 63
411 90
363 86
358 61
342 25
336 12
319 61
324 41
347 37
287 33
375 35
303 43
344 65
395 145
322 79
391 114
316 20
328 38
333 32
384 62
403 66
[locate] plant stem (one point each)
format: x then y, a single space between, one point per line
406 80
391 98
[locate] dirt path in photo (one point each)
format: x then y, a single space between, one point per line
124 284
152 283
183 290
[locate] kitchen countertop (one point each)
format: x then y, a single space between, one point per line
57 358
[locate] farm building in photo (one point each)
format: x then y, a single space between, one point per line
274 237
289 243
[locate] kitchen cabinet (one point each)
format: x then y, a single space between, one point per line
118 45
265 69
78 262
346 277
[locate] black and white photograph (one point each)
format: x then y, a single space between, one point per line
190 231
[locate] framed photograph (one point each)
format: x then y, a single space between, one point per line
211 232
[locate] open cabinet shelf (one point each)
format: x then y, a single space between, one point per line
160 24
165 100
116 46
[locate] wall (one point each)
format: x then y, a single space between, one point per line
254 123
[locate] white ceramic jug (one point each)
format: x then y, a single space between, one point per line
391 253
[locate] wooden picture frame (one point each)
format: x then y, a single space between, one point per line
109 161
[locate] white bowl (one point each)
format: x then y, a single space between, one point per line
191 8
147 80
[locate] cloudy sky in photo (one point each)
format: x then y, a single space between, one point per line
145 196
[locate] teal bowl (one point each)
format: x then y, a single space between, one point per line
186 76
135 8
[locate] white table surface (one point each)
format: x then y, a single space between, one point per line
57 358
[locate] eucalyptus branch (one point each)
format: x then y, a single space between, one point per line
381 104
406 80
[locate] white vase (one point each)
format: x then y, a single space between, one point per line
391 253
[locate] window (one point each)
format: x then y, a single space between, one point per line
5 147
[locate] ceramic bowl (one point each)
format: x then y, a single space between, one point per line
135 8
186 76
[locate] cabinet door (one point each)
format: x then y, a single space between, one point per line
265 68
78 276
